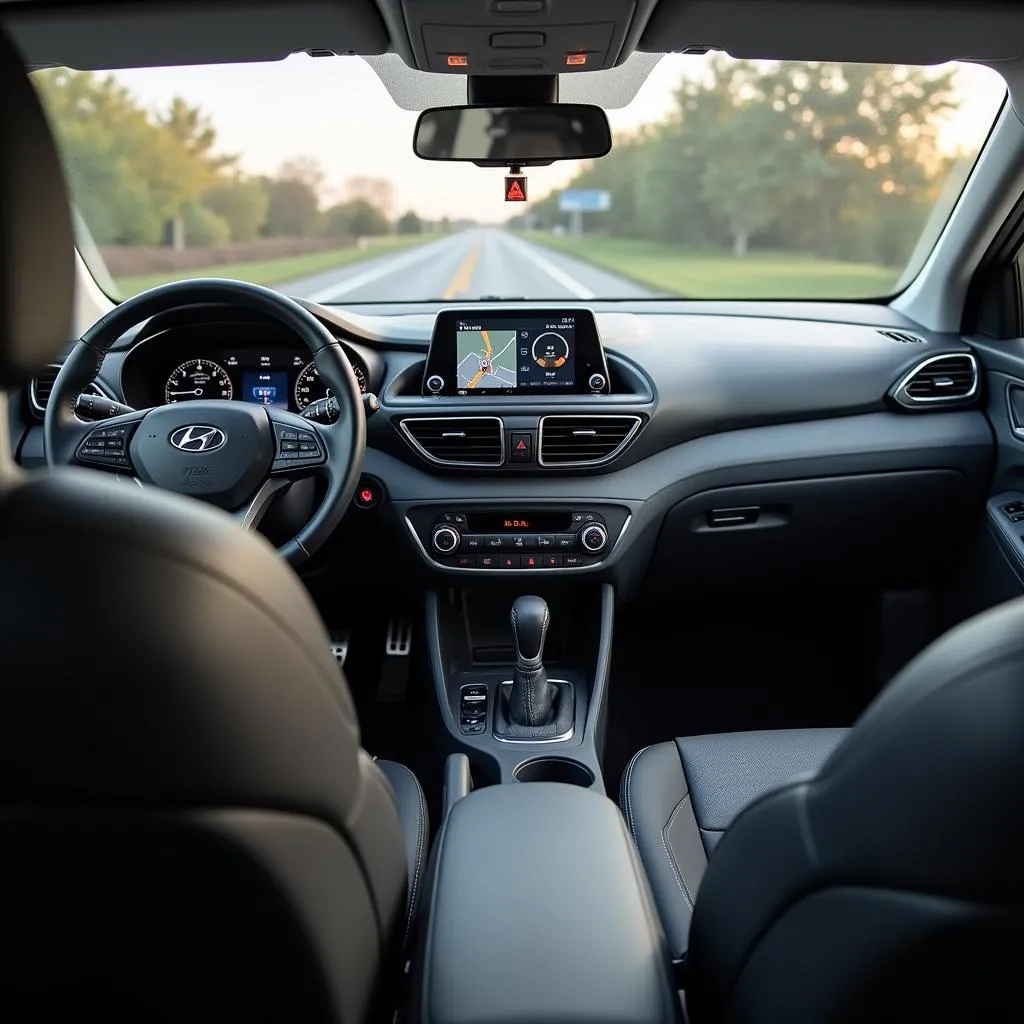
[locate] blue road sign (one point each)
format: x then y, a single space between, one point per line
590 200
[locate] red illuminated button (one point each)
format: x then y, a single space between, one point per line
531 561
367 494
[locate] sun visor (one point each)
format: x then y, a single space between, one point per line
159 35
865 31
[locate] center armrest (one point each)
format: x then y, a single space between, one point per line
539 911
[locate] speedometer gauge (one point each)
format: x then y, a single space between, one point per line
198 378
309 387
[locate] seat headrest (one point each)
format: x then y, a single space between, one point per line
37 256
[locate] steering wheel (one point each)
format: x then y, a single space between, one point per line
236 455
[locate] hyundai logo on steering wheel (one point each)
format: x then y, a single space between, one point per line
198 438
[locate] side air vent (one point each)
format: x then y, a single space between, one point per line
457 441
39 388
902 337
585 440
950 378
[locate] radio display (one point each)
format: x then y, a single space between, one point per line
515 352
509 522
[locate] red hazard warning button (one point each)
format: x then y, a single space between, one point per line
522 447
515 188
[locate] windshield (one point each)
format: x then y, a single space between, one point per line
728 179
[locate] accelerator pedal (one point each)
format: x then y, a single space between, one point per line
394 673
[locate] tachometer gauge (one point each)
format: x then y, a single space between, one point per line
198 378
309 387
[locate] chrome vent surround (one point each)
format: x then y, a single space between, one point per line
902 337
457 440
585 440
39 388
939 379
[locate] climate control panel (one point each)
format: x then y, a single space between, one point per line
519 539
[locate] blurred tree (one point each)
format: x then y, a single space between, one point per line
293 208
409 224
378 192
357 218
242 202
203 227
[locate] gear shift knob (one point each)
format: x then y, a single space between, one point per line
530 620
530 700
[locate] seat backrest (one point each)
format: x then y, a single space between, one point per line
189 829
889 886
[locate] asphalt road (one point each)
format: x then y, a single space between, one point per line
483 262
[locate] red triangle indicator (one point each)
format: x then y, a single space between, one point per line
515 189
521 447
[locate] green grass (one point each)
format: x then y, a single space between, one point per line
279 271
711 275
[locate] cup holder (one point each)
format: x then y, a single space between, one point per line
554 769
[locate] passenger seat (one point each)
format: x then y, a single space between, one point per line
680 797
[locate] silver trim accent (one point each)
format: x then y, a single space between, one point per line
456 539
604 538
638 422
560 738
899 392
398 642
257 508
33 397
420 450
512 572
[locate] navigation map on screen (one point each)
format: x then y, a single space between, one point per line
486 358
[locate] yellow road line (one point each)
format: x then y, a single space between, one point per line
463 276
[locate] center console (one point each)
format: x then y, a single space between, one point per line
539 911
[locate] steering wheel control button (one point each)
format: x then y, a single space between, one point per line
445 539
297 449
105 446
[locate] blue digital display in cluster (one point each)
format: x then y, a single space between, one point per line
265 387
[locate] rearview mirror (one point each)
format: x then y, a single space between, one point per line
494 136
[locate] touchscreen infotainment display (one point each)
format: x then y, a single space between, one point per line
512 352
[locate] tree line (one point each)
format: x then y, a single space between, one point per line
841 161
150 178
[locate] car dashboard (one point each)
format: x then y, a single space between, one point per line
733 444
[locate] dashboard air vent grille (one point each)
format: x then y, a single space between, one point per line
902 337
950 378
457 441
584 440
40 387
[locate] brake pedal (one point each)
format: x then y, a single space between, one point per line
394 673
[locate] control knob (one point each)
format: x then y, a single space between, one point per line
435 384
445 539
597 382
593 538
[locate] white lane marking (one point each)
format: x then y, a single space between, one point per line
568 282
390 266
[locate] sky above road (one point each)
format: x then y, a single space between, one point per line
338 111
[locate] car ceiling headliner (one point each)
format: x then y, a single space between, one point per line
139 33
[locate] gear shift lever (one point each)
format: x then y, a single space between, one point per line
531 700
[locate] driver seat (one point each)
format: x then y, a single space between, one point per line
189 828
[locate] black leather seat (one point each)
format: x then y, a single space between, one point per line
885 884
680 797
189 828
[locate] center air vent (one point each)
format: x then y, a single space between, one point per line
950 378
457 441
584 440
40 387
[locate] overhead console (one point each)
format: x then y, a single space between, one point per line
529 353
